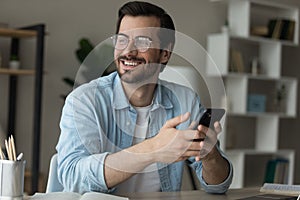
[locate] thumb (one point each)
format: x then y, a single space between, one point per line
171 123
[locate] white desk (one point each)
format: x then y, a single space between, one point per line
232 194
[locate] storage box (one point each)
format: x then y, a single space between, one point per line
256 103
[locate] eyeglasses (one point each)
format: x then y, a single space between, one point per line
121 41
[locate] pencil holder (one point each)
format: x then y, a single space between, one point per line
12 179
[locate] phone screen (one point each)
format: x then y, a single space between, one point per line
211 115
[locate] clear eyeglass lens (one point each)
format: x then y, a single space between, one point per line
142 43
120 41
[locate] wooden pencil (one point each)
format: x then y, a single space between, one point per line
13 149
7 150
1 154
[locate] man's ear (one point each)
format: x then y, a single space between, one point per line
166 54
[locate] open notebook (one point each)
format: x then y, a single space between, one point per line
270 197
75 196
281 189
277 191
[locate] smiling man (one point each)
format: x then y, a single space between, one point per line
130 131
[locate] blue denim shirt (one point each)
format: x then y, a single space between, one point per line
97 119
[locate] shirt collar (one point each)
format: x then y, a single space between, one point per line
161 97
120 100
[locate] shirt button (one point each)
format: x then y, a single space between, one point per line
127 123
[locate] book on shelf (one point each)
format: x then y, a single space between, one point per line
277 171
236 61
277 29
76 196
290 31
282 29
260 31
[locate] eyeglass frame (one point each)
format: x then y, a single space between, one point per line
140 49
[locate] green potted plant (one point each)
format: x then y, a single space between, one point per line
85 47
103 54
280 98
14 62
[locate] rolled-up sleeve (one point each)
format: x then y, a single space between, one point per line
80 159
219 188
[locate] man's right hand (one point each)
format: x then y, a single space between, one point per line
172 145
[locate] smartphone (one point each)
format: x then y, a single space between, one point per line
211 115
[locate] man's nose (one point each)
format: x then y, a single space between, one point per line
131 48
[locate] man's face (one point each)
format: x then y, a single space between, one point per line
136 65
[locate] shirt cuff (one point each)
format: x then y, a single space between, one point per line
219 188
95 176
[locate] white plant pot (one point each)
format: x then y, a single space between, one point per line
225 29
14 64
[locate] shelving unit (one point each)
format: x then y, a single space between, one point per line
246 14
250 133
30 32
16 72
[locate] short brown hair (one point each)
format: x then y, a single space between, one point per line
139 8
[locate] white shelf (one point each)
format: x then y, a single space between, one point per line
220 46
240 86
258 76
260 152
244 14
259 114
246 158
248 134
258 39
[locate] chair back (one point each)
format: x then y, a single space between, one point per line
53 185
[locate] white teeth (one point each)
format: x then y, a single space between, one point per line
130 63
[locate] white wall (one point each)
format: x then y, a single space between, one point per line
69 20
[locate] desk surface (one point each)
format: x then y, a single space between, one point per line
232 194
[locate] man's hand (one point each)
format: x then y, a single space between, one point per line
211 138
215 167
172 145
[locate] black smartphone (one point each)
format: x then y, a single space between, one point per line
211 115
